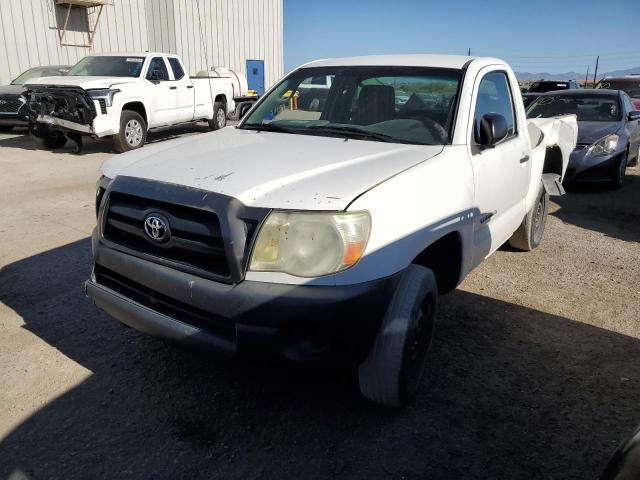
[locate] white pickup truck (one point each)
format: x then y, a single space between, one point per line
124 95
332 222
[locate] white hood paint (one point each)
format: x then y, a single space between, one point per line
85 83
273 170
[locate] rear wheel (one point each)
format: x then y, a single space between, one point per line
390 374
132 134
529 234
46 138
219 119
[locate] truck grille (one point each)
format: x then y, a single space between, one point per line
10 105
196 238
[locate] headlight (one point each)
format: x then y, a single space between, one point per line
310 244
604 146
104 93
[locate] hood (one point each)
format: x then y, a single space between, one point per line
85 83
590 132
11 90
272 170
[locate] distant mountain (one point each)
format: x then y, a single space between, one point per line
527 76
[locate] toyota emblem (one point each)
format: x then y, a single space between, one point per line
157 228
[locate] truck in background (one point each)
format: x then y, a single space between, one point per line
125 95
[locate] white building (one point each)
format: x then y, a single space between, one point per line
205 33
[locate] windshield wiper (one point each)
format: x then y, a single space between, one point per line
268 127
355 132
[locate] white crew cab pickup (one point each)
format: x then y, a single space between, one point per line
123 95
331 221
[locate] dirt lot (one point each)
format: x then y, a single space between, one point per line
535 368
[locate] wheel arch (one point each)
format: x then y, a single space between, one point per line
221 98
444 258
138 107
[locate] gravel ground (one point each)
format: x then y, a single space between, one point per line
534 368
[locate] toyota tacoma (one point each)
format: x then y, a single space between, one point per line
329 220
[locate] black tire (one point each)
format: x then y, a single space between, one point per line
529 234
132 134
46 138
6 128
241 110
219 119
390 374
619 172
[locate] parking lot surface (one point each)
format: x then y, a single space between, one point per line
534 369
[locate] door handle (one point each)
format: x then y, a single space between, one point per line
189 86
524 159
172 88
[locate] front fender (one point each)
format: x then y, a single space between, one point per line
552 141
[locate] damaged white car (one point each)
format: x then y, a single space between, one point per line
125 95
329 219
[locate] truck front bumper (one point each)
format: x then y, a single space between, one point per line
298 322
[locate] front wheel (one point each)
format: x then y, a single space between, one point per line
132 134
46 138
529 234
390 374
619 172
219 119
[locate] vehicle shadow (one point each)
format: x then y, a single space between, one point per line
615 213
19 138
511 392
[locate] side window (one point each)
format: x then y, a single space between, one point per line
178 72
494 96
157 69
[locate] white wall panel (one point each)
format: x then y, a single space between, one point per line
205 33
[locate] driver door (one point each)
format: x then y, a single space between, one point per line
164 94
501 173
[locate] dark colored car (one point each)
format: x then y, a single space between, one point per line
543 86
629 85
13 109
608 132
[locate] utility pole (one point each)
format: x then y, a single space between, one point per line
469 52
596 72
586 78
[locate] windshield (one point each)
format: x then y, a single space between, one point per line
588 108
630 87
388 104
544 87
108 66
37 73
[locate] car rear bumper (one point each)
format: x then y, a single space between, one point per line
298 322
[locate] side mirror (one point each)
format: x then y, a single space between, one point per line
635 115
492 129
155 76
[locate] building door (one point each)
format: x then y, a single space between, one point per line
255 75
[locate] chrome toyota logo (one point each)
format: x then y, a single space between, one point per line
157 228
2 102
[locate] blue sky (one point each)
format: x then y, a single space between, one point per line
533 35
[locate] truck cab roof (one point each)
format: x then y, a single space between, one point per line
407 60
